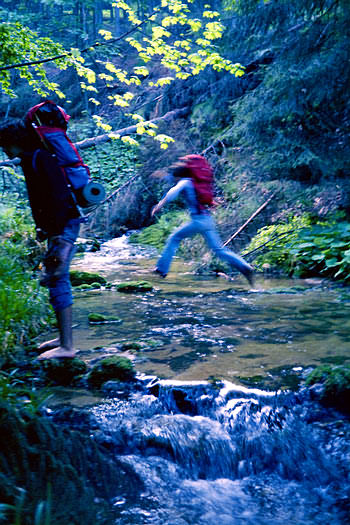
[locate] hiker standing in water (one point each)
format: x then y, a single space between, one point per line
193 176
57 220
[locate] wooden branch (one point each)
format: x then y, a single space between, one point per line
273 238
250 219
100 139
118 190
87 143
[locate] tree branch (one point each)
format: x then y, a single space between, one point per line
129 130
100 139
85 50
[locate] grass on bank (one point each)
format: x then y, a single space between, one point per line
24 310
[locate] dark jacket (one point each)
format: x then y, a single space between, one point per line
50 199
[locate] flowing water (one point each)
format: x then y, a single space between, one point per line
209 453
194 327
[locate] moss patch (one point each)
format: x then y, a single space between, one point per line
115 368
135 286
336 384
78 278
95 318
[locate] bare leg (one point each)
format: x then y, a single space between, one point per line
65 348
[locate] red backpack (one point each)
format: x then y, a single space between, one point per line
202 176
50 122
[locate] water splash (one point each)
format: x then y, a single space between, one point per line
243 456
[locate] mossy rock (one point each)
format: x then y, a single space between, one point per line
84 287
115 368
336 384
131 345
78 278
135 286
95 318
63 371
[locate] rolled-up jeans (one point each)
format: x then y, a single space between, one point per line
204 224
60 290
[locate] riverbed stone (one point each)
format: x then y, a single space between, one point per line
115 368
63 371
135 286
78 277
96 318
335 383
131 345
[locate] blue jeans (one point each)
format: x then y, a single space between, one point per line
60 290
204 224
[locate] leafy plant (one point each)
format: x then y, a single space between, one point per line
301 248
111 163
275 239
323 249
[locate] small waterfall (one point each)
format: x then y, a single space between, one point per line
241 456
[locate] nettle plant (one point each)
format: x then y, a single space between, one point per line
323 249
301 247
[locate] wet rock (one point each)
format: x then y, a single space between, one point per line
115 368
131 345
84 287
63 371
333 385
78 278
95 318
135 286
88 245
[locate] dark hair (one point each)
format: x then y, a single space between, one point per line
15 132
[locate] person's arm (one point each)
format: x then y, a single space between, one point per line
171 195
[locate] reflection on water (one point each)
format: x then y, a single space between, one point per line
194 327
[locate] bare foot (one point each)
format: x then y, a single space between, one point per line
58 352
49 345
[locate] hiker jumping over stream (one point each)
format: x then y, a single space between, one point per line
193 178
57 220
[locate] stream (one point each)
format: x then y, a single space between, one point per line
242 448
193 327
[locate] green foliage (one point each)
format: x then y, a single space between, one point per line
111 163
22 303
157 234
18 44
277 238
15 391
177 41
301 248
323 249
294 112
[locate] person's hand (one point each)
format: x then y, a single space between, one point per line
155 209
